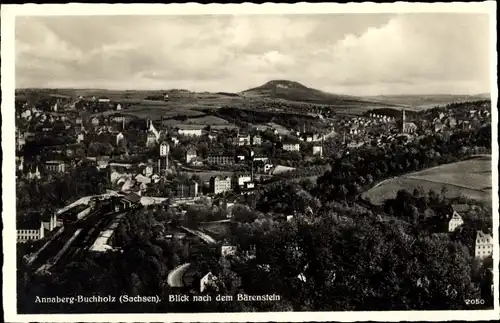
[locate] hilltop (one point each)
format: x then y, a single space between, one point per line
295 91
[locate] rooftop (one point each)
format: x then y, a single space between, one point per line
29 222
460 208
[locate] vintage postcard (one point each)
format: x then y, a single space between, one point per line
302 162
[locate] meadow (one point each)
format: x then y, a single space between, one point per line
470 178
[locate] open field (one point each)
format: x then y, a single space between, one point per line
422 102
154 112
202 120
471 178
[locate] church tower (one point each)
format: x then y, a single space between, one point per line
404 121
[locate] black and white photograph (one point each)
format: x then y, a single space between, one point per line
223 161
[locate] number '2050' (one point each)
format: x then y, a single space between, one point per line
474 301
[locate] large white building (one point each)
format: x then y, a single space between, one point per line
29 228
484 245
244 178
190 132
456 219
220 184
55 166
190 155
291 146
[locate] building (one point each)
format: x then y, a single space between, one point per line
21 141
220 160
465 125
456 219
55 166
242 140
261 158
175 141
150 140
190 155
317 150
208 281
354 129
189 132
407 127
438 126
120 138
291 146
310 137
228 250
49 221
34 174
148 170
186 190
164 149
451 122
256 140
219 184
29 228
249 185
95 121
243 178
410 127
484 245
80 137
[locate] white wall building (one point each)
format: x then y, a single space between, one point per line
242 179
190 155
484 245
30 229
318 150
220 184
190 132
455 221
164 149
291 147
228 250
120 138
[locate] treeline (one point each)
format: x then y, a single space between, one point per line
59 190
287 120
308 171
391 112
430 212
350 173
336 263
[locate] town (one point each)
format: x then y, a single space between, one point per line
145 197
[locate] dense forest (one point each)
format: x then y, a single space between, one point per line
350 173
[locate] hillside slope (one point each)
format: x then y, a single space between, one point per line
294 91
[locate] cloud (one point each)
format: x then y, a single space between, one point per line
355 54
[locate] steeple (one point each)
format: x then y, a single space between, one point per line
404 121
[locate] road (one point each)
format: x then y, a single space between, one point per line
174 278
203 236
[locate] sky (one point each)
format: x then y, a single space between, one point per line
357 54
